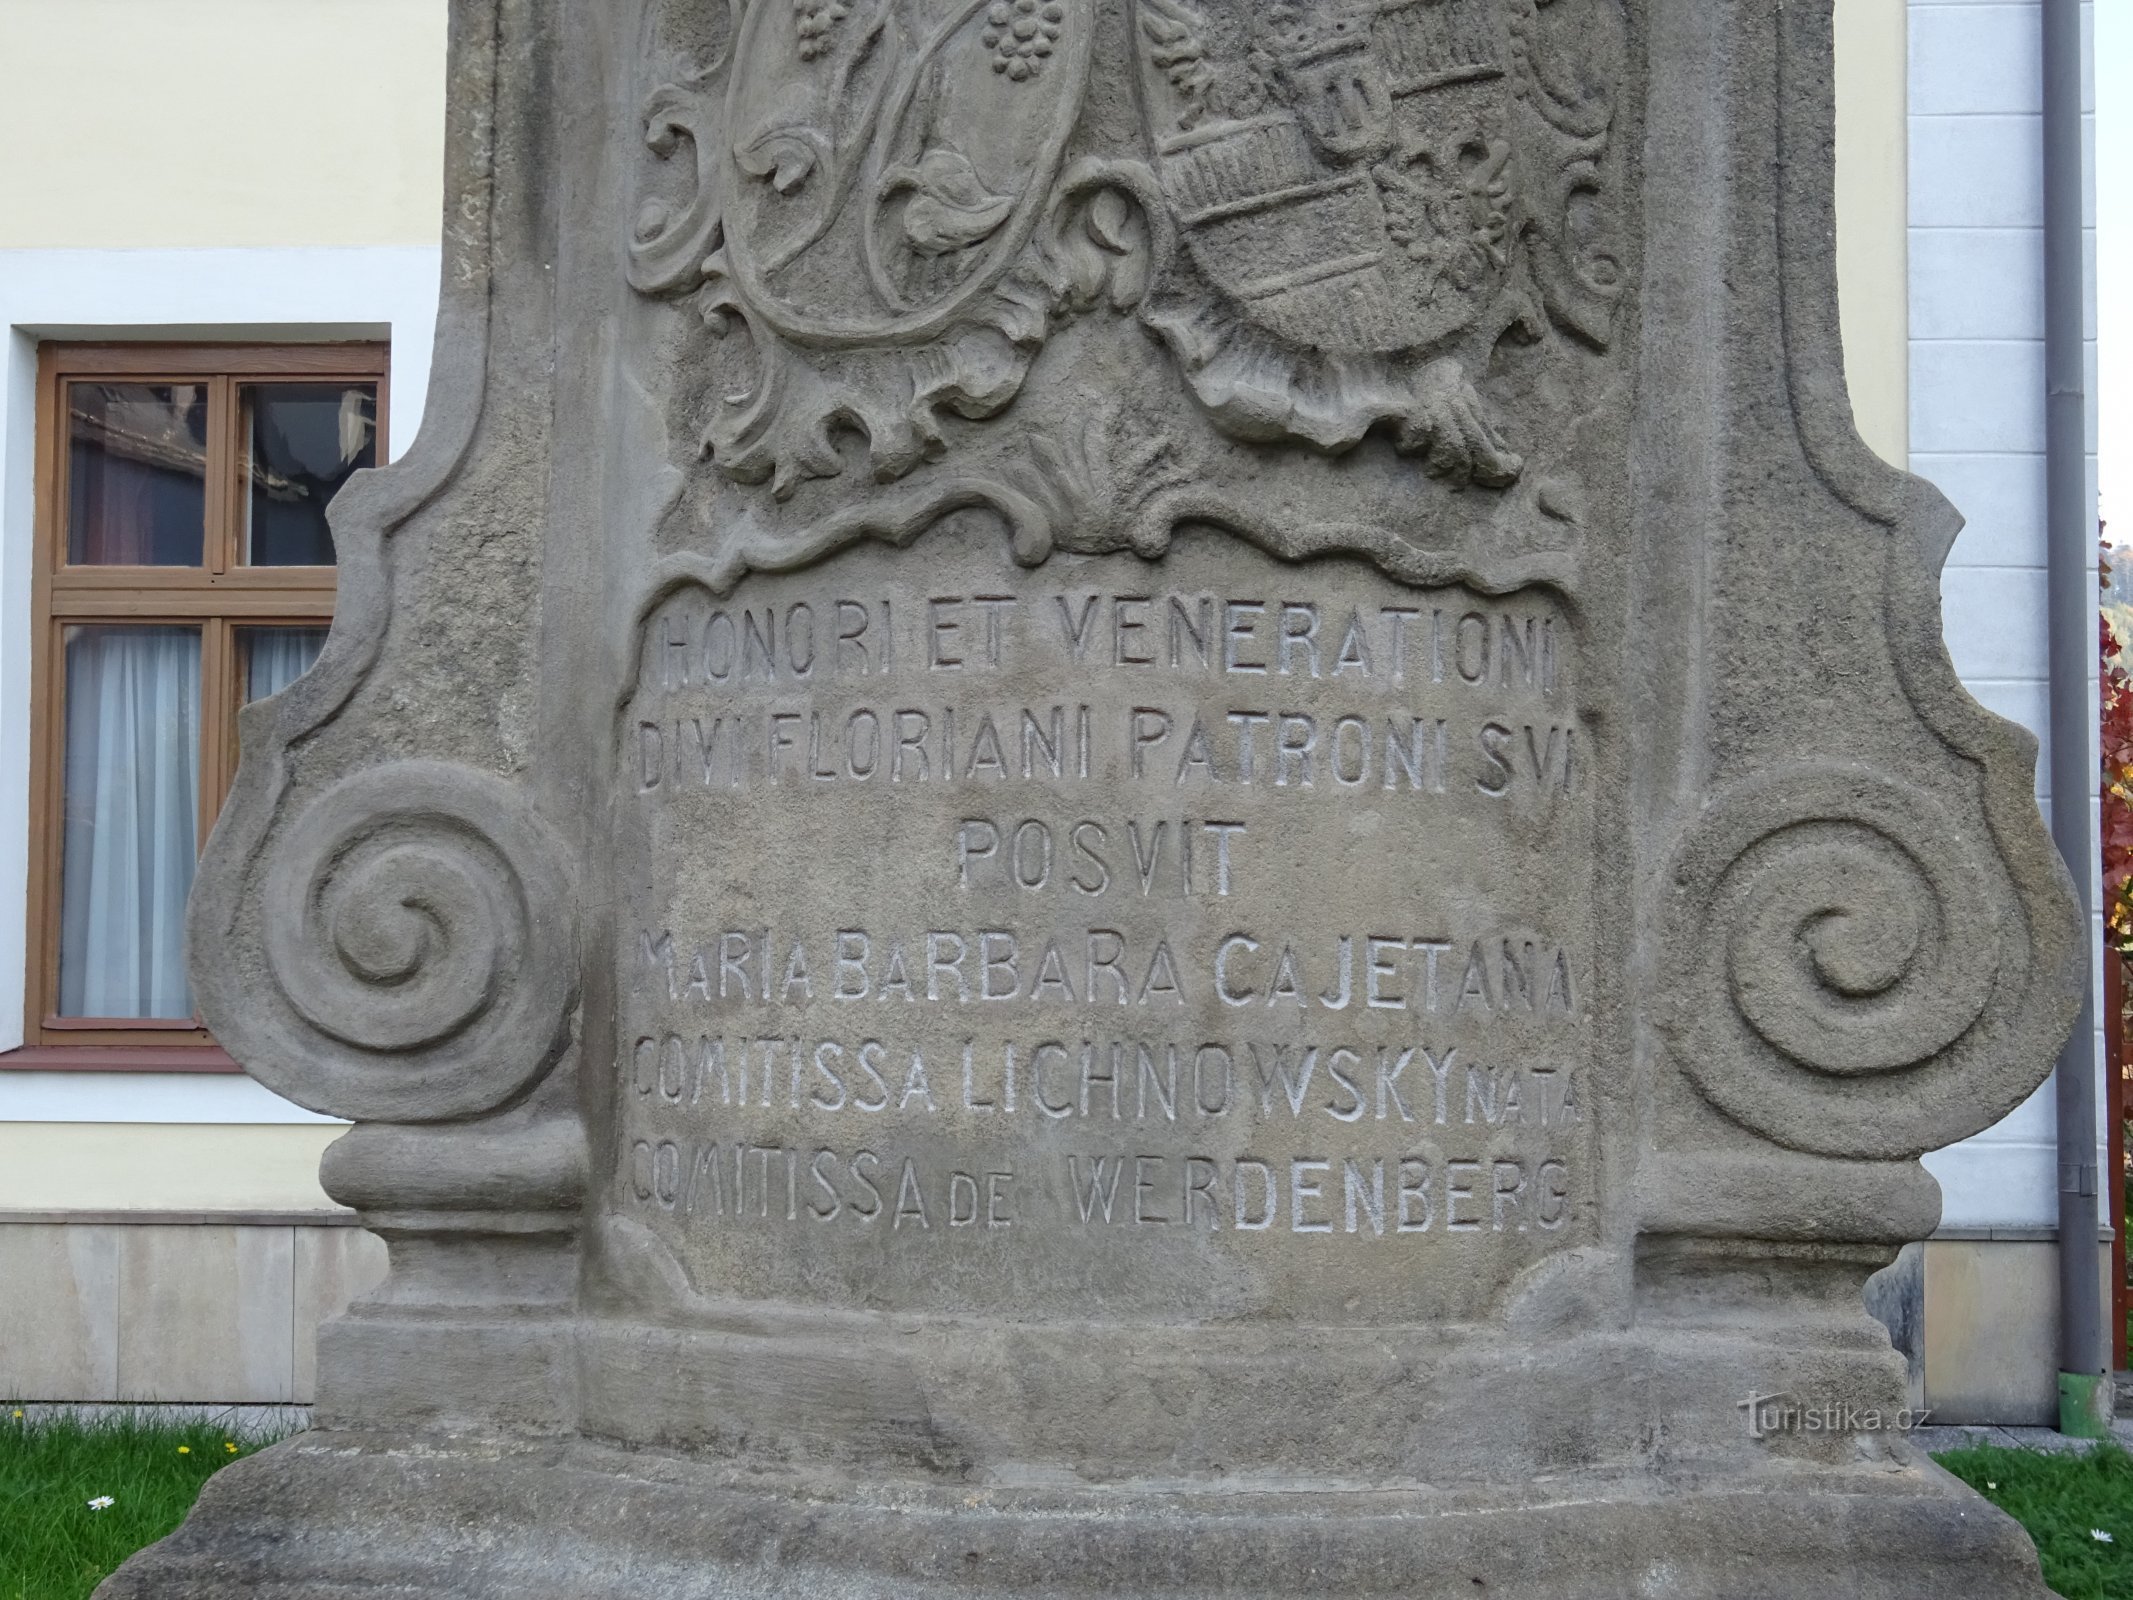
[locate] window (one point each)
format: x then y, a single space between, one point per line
184 566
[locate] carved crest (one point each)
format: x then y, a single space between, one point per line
1365 181
1332 214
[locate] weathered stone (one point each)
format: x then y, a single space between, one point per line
1133 796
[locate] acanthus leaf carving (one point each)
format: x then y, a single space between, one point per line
949 208
785 155
1092 250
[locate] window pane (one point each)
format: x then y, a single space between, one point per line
136 474
274 658
130 833
302 440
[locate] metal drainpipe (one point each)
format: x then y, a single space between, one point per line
2084 1388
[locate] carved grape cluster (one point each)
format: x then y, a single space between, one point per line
814 20
1020 34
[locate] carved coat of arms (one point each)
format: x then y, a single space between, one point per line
1336 217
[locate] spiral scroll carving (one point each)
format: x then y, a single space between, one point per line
418 939
1835 942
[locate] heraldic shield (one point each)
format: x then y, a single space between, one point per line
1387 221
1390 178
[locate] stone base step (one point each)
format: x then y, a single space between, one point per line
333 1516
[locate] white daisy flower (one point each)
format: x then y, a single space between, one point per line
2099 1536
102 1502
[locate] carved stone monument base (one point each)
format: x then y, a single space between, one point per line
1733 1445
336 1514
1133 797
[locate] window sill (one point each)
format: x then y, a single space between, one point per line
117 1058
179 1219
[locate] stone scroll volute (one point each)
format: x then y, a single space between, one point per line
1849 963
416 960
1869 948
384 927
387 922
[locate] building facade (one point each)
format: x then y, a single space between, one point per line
214 191
226 279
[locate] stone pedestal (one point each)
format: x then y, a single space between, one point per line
559 1521
1137 797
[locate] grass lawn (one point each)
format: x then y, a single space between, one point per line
2064 1501
54 1543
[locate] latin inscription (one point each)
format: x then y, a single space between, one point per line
1146 640
744 1184
1100 966
1240 919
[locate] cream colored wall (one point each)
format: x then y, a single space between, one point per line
1992 1329
288 122
131 1166
1873 265
130 123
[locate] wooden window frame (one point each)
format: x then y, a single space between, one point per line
220 596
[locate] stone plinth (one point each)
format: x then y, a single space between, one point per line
1132 797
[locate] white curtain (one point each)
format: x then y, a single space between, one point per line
277 657
131 832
